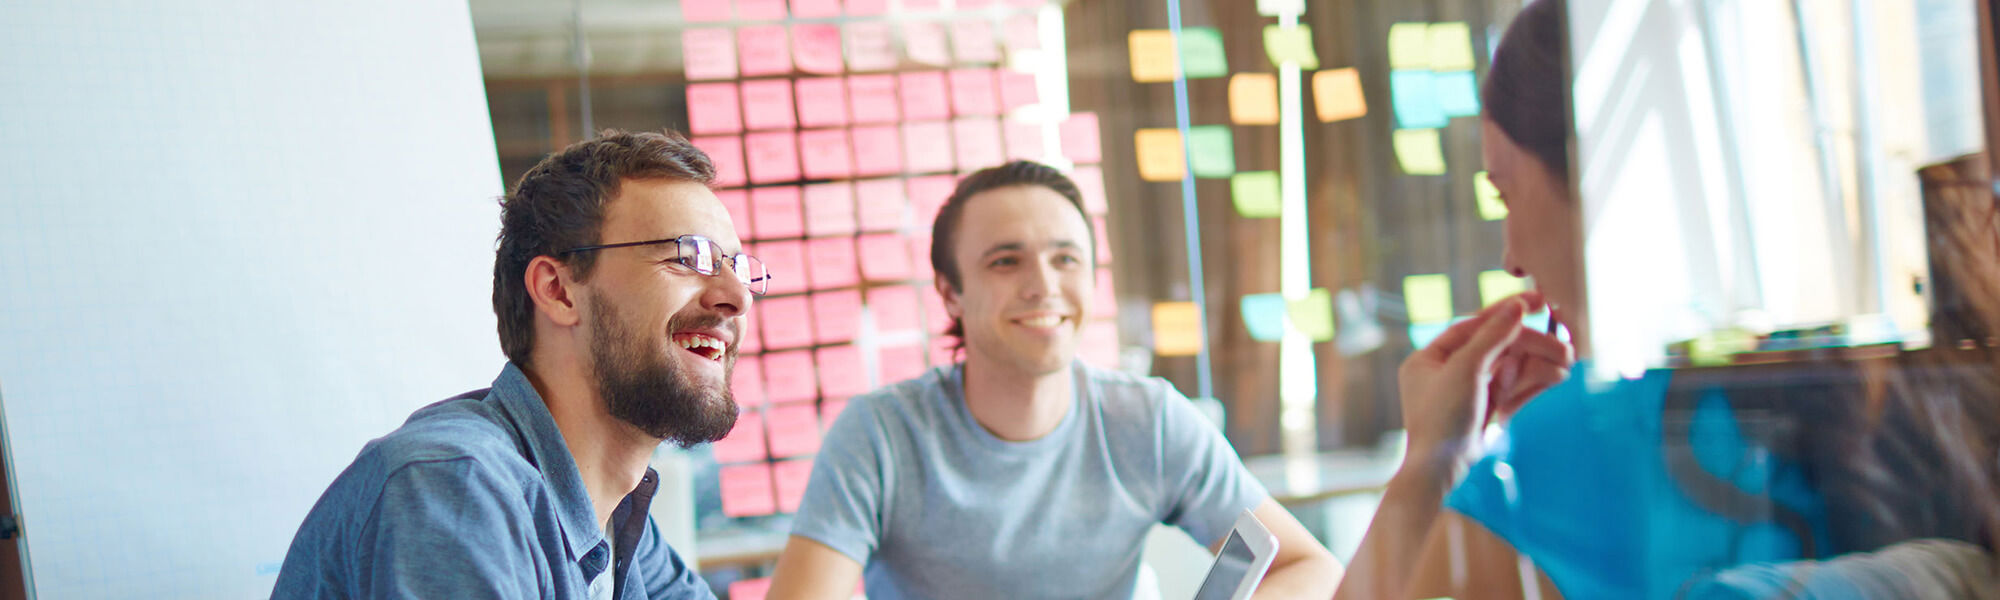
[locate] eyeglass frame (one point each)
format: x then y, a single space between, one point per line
700 241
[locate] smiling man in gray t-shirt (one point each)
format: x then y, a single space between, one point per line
1021 473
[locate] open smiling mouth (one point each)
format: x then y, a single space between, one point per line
704 346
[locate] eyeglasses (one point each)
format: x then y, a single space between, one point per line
705 257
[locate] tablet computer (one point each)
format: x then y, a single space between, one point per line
1245 554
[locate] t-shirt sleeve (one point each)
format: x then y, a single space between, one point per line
844 503
446 529
1205 484
667 577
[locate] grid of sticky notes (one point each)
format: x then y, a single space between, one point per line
1430 81
838 132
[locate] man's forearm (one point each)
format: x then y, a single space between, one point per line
1310 577
1389 552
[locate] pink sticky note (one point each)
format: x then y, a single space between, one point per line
899 363
1025 3
977 142
773 156
830 410
942 350
792 477
788 375
747 491
1090 181
737 202
925 43
695 11
727 154
822 102
758 10
1017 90
816 48
708 54
825 154
831 263
927 147
836 316
787 263
972 41
972 92
880 204
829 209
813 9
749 341
1024 140
749 589
1023 32
936 318
794 430
745 442
764 50
840 372
712 108
872 98
787 323
871 46
965 4
746 378
1103 240
1079 138
887 258
895 308
920 4
920 255
767 104
878 150
923 95
1098 346
1105 304
777 212
865 8
927 195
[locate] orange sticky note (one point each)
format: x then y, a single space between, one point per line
871 46
878 150
1161 157
923 95
787 262
1023 140
880 204
787 323
978 143
746 378
727 154
927 147
829 209
773 156
831 264
1337 95
825 154
883 257
1090 183
1253 99
767 104
708 54
747 490
894 308
792 477
816 48
840 372
815 9
713 108
1079 138
895 363
973 92
924 42
873 98
788 375
764 50
745 442
776 212
822 101
1152 54
836 315
794 429
1018 90
1176 329
972 41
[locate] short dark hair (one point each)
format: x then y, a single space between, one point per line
1527 91
559 204
944 230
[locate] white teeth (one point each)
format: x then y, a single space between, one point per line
1047 321
701 341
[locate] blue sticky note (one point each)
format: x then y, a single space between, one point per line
1421 334
1264 316
1416 99
1457 94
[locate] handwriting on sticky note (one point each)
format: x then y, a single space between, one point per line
764 50
791 477
977 142
1496 285
972 92
1152 54
927 147
1257 194
830 264
880 204
1079 138
1160 154
816 48
1428 297
1176 329
788 375
825 154
1419 151
871 46
713 108
878 150
972 41
1337 95
883 256
1457 94
793 429
923 95
727 154
767 104
1290 45
840 371
924 42
1201 53
1451 46
1491 207
1312 316
822 101
872 98
773 156
708 54
1414 94
836 315
829 209
1253 99
1264 316
1211 151
745 442
776 212
787 262
747 490
1410 46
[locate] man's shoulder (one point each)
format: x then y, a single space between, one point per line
1126 397
916 400
466 435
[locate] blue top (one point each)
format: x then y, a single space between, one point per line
1580 484
477 496
910 485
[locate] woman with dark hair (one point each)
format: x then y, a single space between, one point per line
1679 484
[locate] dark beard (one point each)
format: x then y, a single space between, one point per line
639 387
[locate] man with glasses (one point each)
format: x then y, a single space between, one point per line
620 292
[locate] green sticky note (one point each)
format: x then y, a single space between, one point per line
1410 46
1497 285
1313 315
1211 151
1490 206
1451 46
1293 45
1257 194
1264 316
1428 297
1419 151
1201 53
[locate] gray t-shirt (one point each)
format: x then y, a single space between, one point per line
910 485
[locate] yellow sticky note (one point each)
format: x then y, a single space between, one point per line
1295 45
1337 95
1313 315
1497 285
1153 55
1410 46
1428 297
1491 208
1160 155
1451 47
1419 151
1176 329
1257 194
1253 98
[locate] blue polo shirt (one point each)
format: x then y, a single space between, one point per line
477 496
